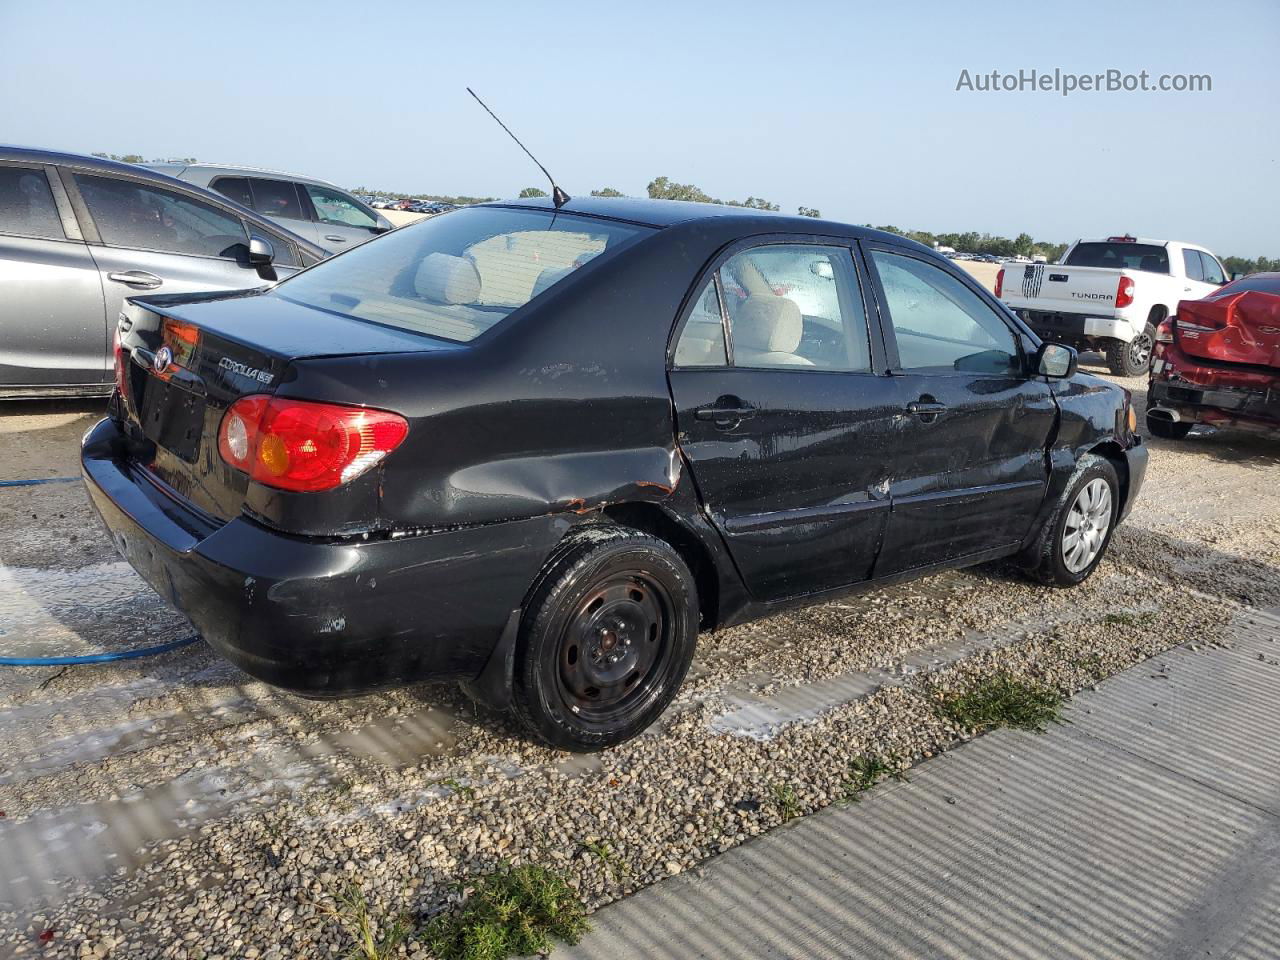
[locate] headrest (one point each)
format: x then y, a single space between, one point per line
769 324
1150 264
447 279
547 277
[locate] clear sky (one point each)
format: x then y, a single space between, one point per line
850 107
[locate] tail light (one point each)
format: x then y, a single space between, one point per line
1000 283
1164 332
122 371
304 446
1124 292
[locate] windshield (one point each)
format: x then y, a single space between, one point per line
456 275
1117 255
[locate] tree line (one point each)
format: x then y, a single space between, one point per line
664 188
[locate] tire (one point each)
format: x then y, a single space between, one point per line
1134 358
1054 559
1167 429
605 641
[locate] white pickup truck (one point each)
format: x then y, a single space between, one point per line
1110 295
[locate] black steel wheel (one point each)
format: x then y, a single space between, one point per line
606 639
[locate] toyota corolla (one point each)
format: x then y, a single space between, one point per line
538 449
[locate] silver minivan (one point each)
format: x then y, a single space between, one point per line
79 234
323 213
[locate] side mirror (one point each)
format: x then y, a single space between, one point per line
261 252
1056 360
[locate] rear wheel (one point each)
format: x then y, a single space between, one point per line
605 641
1167 429
1076 537
1132 359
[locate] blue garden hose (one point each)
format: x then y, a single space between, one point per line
93 657
96 657
32 483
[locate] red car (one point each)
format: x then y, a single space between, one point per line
1218 361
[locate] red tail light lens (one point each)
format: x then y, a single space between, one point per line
1164 332
1000 283
305 446
122 372
1124 292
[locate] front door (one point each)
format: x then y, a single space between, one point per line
155 240
969 469
787 430
341 223
53 326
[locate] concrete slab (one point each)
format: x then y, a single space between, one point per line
1148 826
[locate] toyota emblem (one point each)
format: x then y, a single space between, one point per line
161 361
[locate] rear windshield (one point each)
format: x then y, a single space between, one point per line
1132 256
457 275
1262 283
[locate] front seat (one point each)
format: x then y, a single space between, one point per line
766 332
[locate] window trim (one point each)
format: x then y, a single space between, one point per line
1024 341
1191 253
66 216
876 357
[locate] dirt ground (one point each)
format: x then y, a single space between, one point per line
172 807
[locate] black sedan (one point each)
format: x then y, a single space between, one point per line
538 450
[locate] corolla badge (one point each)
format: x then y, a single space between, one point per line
162 360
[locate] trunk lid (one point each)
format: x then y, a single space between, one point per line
188 359
1239 327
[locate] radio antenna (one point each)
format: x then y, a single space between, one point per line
558 196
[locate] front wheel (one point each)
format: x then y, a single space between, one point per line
605 641
1077 535
1132 359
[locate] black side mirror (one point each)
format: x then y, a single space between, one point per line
261 252
1056 360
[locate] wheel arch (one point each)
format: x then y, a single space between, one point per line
651 518
1114 452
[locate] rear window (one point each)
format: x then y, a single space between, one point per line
1131 256
455 277
1260 282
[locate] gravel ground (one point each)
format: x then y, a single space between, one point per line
174 808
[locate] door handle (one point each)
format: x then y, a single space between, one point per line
926 410
136 278
334 238
725 416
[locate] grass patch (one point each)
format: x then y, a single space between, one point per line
1001 701
1130 619
603 851
372 940
868 770
785 799
458 787
512 912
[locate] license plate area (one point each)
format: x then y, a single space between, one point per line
172 417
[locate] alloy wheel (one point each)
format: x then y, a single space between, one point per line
1087 524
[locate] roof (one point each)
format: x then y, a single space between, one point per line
666 213
234 168
34 155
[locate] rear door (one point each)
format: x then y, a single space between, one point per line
341 222
281 201
148 239
968 463
786 426
53 324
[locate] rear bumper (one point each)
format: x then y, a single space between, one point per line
1200 393
1075 327
321 617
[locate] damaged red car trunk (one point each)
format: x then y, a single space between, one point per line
1217 361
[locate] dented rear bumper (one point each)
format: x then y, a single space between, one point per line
320 617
